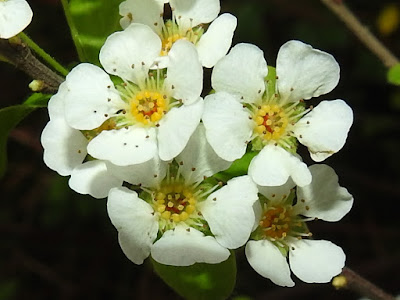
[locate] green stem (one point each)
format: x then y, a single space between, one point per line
43 54
74 31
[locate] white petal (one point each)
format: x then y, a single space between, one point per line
126 146
273 166
304 72
324 198
316 261
15 15
190 13
147 174
228 127
217 40
184 74
91 97
130 53
136 224
229 212
64 147
56 102
241 73
176 128
145 12
93 178
268 261
185 246
277 193
324 130
198 159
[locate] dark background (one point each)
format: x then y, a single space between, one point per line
56 244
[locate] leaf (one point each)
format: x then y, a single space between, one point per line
11 116
393 75
238 168
37 100
92 22
200 281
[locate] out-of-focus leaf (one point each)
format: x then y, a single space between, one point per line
11 116
393 75
200 281
94 21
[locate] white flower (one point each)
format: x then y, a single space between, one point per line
180 218
282 229
65 150
272 118
187 19
15 15
151 113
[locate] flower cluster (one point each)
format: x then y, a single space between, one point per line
139 132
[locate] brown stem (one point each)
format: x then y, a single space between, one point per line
366 37
353 281
21 56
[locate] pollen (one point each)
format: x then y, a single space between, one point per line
276 222
148 107
175 202
271 122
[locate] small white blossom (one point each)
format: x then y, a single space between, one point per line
281 232
180 218
152 113
188 17
246 110
65 150
15 16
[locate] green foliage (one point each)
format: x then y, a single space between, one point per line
393 75
238 168
91 21
200 281
11 116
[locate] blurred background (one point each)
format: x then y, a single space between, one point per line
57 244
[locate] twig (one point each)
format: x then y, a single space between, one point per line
21 56
366 37
352 281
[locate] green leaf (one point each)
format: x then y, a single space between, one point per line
393 75
37 100
91 22
200 281
238 168
11 116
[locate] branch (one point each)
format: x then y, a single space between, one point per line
365 36
353 281
21 56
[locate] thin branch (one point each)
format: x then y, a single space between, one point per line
21 56
365 36
39 51
353 281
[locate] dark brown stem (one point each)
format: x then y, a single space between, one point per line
365 36
21 56
352 281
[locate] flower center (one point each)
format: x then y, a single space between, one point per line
148 107
175 202
271 122
172 33
276 222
